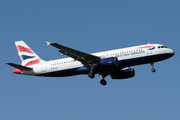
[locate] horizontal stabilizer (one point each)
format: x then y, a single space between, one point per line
19 66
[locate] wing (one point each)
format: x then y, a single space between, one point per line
86 59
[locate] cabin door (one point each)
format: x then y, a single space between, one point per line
43 67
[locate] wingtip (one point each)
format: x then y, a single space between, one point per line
48 43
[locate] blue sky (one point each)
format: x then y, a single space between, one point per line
89 26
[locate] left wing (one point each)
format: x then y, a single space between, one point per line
86 59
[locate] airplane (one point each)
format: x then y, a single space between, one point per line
116 63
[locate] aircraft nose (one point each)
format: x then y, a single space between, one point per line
171 52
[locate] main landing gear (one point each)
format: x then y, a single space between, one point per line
152 65
91 75
103 82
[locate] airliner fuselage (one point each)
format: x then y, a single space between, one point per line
115 63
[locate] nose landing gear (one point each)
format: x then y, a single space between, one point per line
153 69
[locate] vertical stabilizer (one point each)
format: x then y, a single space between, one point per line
27 55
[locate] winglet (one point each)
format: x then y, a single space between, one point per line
48 43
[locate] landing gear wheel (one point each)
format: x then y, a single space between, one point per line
103 82
152 65
91 75
153 70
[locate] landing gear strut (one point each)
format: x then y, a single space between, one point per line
91 75
103 82
152 65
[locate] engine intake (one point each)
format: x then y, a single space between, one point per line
123 74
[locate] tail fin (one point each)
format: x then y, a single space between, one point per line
28 57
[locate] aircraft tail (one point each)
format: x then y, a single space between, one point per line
27 55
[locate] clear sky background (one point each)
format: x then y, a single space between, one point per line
90 26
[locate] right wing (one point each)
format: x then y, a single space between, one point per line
86 59
19 66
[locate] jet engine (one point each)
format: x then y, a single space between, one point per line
107 62
123 74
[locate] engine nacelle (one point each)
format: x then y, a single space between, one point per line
123 74
107 62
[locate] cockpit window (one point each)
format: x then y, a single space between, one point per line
162 47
